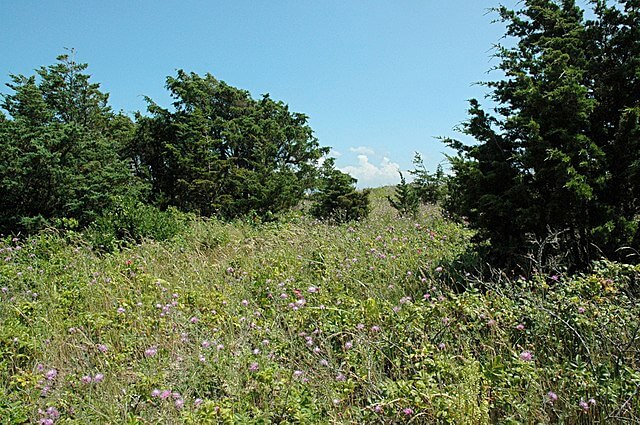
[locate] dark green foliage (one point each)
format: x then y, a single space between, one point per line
561 155
406 200
220 152
131 221
60 149
430 188
337 198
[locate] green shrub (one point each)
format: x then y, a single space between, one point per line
337 199
132 221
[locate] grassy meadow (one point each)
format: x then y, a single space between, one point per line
299 321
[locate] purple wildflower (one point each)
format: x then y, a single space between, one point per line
526 356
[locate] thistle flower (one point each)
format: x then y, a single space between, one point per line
51 374
526 356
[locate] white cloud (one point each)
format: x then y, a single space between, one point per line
372 175
362 150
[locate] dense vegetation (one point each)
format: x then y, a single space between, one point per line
299 321
559 160
207 263
68 159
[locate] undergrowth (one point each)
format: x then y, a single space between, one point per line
299 321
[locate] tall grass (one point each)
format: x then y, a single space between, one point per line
299 321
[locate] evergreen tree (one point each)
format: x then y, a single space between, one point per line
406 200
60 149
558 156
337 198
220 152
431 188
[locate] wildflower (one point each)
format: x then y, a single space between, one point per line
220 347
102 348
253 367
52 412
99 377
526 356
205 344
120 310
581 310
520 327
441 346
244 303
86 379
151 351
51 374
348 345
265 342
552 396
438 269
197 402
194 320
407 411
592 402
341 377
377 408
155 393
297 373
316 349
375 328
584 406
313 289
179 403
491 323
324 362
165 394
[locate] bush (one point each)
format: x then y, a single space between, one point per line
338 199
132 221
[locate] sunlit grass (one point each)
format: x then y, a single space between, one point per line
299 321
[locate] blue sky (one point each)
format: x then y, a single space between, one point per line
379 79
